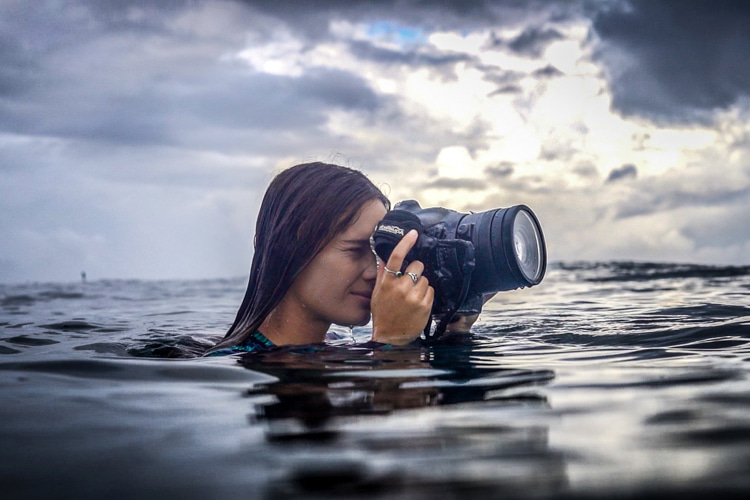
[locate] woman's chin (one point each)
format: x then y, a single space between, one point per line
364 321
361 321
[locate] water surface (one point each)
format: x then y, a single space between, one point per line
608 380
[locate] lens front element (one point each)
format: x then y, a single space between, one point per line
528 247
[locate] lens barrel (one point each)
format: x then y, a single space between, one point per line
509 248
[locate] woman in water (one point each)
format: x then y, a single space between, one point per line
313 266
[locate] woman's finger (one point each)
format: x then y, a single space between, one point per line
415 267
429 297
396 260
421 289
423 294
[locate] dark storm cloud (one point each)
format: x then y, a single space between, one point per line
16 72
127 71
124 120
130 85
508 82
681 57
628 171
499 171
658 197
310 13
116 11
548 71
368 51
155 115
263 101
60 76
531 42
507 89
311 18
339 89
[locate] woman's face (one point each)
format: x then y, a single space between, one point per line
337 285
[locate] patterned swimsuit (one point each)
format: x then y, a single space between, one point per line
254 343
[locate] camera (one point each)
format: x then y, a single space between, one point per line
466 255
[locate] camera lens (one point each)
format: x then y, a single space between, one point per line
527 247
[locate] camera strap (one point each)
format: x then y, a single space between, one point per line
455 261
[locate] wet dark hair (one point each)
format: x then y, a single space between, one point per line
304 208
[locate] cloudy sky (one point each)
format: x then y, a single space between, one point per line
137 137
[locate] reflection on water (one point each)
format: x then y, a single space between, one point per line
318 417
316 386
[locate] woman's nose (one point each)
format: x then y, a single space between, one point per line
371 271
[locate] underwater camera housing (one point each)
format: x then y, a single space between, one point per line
466 255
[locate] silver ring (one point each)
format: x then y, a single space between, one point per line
398 274
413 277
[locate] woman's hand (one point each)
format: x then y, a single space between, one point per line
462 324
400 307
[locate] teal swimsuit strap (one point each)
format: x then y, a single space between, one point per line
254 343
261 339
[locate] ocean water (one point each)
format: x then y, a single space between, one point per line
614 380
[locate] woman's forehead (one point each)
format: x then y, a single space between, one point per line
369 216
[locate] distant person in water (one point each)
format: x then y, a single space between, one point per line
313 266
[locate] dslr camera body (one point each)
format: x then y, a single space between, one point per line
466 255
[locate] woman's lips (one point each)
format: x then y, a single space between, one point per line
363 295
